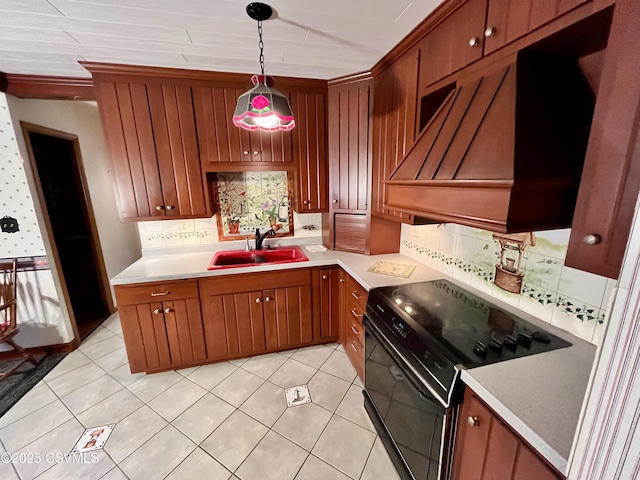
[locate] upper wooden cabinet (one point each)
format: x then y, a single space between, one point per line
349 146
487 449
393 114
454 43
309 147
222 143
509 20
150 127
611 176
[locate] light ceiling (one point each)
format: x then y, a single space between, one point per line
308 38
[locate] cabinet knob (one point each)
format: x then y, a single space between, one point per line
473 422
170 207
157 311
258 300
159 207
324 277
246 152
305 202
256 152
168 310
592 239
474 41
335 200
490 32
267 299
341 280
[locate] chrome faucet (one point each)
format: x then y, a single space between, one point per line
260 237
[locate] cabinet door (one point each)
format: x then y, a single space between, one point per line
163 335
309 144
394 124
288 316
454 43
221 141
509 20
610 182
150 129
233 325
330 302
349 146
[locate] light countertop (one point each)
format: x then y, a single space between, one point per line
539 396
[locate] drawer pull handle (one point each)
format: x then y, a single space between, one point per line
355 313
157 311
354 330
355 349
160 294
355 295
473 422
168 310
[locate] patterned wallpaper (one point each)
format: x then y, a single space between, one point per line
15 197
571 299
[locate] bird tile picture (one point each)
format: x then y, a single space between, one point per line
250 200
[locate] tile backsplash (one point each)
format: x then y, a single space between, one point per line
571 299
203 231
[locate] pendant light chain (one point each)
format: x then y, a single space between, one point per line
261 46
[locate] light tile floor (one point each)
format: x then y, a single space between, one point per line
221 421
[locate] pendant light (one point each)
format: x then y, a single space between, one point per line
263 107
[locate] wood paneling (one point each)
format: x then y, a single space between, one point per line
394 126
309 147
611 175
486 449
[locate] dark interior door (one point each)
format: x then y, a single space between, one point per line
64 197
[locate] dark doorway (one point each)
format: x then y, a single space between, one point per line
57 165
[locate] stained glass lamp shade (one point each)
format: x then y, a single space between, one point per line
263 107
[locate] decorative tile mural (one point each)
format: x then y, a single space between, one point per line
534 278
250 200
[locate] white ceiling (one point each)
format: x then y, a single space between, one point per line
307 38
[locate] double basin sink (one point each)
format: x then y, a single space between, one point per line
242 258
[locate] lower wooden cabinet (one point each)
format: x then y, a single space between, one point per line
487 449
353 307
161 325
330 286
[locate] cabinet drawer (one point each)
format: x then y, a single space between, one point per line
156 292
354 324
357 292
249 282
354 311
355 351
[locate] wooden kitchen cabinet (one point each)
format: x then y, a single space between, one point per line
487 449
309 147
150 128
161 325
509 20
242 317
611 175
393 114
454 43
353 308
330 285
222 143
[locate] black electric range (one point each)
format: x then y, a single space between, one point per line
418 337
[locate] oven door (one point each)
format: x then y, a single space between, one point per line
412 422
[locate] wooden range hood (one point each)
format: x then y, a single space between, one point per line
504 151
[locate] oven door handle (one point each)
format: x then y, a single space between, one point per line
404 367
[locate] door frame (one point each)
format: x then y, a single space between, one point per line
105 289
